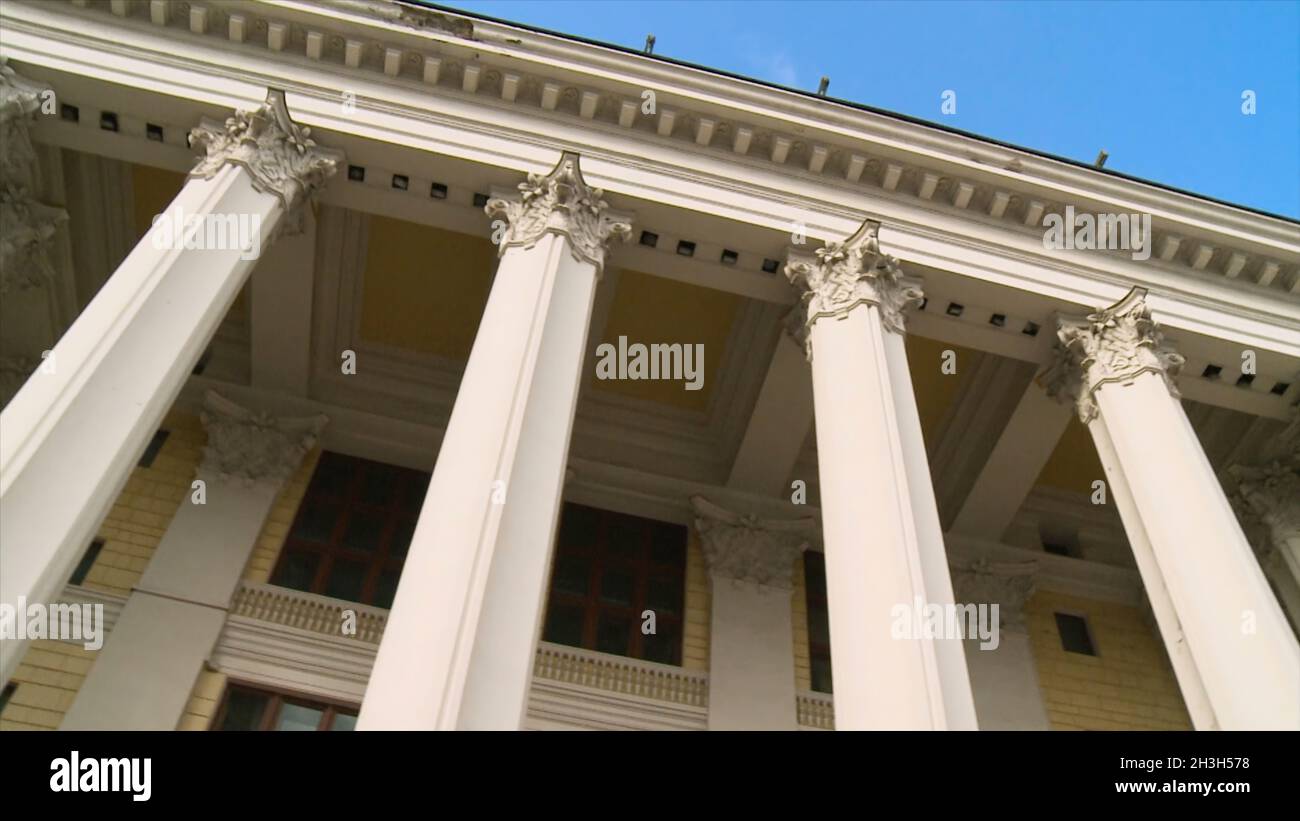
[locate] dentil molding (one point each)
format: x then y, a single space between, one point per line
560 202
843 275
749 549
1114 345
252 447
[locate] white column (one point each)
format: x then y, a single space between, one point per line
69 438
751 640
1236 659
174 616
882 535
1003 674
460 642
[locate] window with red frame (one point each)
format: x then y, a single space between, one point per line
352 530
609 569
249 708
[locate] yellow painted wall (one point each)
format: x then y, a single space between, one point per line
424 288
145 507
48 679
650 309
204 701
695 625
1128 685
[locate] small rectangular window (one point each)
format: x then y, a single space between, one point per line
1075 636
154 446
87 562
819 626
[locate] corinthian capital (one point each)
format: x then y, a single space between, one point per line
1006 584
26 230
560 202
20 99
1272 492
839 277
281 157
747 548
254 447
1114 345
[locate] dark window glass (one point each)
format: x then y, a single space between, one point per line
243 710
316 521
153 448
297 570
386 588
6 694
353 529
564 625
819 632
1075 636
87 561
345 579
612 635
609 569
572 575
616 586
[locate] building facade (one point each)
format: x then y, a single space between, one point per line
371 366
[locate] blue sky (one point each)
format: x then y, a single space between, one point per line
1158 85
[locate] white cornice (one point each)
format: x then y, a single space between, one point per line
673 169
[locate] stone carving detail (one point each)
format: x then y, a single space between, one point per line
26 230
747 548
19 101
560 202
254 447
842 275
1270 491
1114 345
27 226
1007 584
281 157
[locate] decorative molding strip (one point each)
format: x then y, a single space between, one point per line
505 67
292 639
619 674
113 604
307 611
